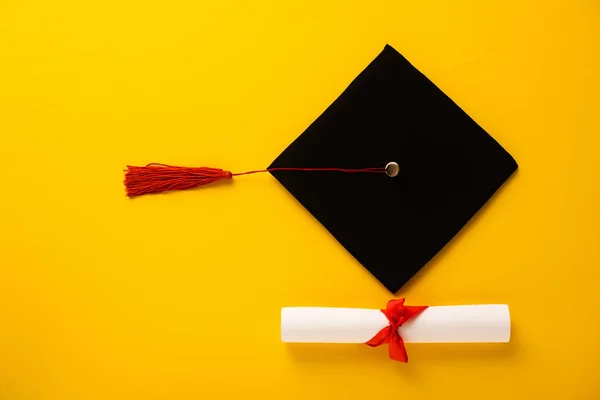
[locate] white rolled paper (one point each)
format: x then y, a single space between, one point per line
484 323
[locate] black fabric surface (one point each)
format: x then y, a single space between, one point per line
449 168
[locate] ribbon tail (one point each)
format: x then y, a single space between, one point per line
381 337
397 350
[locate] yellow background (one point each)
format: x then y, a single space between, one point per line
178 296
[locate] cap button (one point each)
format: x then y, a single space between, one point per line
392 169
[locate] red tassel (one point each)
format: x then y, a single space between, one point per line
157 178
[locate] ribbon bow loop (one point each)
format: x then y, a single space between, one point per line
397 314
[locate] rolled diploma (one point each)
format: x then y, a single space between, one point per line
484 323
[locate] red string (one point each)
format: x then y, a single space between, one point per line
351 170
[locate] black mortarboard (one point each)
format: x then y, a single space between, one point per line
449 168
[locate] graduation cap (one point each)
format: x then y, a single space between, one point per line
393 169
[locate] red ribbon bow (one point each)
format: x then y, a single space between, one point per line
397 314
